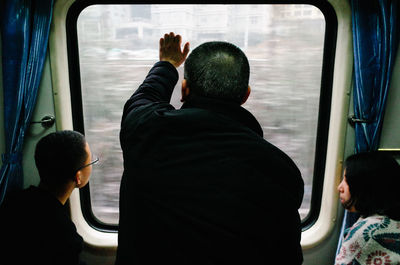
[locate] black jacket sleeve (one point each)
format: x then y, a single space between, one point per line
157 87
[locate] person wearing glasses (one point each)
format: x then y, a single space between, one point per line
200 184
36 227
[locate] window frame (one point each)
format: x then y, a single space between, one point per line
324 113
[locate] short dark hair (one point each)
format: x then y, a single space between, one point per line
58 155
218 70
374 181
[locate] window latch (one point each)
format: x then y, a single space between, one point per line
353 120
47 121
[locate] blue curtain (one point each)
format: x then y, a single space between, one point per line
375 42
25 26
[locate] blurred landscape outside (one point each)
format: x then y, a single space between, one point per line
118 44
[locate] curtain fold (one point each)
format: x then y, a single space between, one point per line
375 43
25 26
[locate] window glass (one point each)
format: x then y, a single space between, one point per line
118 44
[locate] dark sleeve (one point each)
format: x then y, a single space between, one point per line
157 87
68 246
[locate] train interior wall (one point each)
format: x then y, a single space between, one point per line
44 106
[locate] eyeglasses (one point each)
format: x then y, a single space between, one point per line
89 164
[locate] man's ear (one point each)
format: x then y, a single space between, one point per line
185 91
246 96
77 178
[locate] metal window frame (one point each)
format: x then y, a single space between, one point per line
324 103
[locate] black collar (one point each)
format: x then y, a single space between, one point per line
227 108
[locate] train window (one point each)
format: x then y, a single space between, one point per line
118 44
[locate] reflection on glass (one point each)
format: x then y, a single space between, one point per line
118 44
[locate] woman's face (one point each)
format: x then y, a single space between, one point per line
344 194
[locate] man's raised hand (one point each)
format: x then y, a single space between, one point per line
170 49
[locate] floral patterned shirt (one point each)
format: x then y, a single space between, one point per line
373 240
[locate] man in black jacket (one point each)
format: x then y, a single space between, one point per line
200 184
